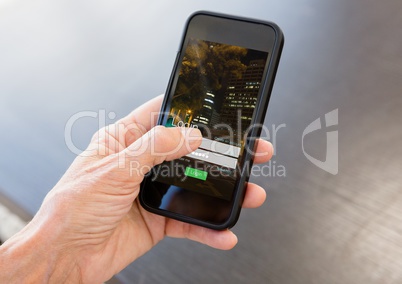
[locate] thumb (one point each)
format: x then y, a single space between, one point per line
158 145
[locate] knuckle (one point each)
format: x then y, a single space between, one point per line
99 134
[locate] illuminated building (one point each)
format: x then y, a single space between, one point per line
241 96
204 116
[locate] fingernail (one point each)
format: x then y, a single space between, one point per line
193 135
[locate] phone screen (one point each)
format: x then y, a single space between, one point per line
216 88
216 91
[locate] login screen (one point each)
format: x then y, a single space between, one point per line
215 91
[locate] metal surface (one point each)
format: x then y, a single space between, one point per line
58 58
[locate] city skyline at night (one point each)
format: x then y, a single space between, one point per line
217 82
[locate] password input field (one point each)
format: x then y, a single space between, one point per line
214 158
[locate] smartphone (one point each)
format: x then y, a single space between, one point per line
221 84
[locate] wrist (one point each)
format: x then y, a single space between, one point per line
32 256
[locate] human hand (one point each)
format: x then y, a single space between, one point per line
92 222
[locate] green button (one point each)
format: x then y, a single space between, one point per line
194 173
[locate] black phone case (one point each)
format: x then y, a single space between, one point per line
260 111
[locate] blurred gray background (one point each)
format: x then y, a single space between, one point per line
59 58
